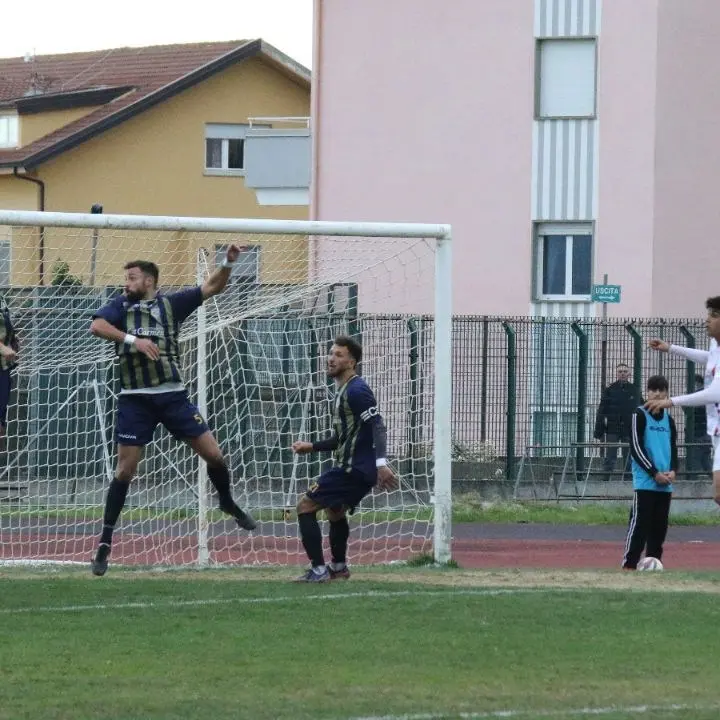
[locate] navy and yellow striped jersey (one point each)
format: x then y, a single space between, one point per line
354 413
159 320
7 334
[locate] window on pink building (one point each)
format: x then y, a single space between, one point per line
566 78
563 261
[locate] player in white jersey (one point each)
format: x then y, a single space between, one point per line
710 394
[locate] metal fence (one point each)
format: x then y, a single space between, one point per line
528 385
521 386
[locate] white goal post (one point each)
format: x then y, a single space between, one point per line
253 358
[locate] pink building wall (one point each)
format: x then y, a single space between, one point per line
423 111
413 121
687 170
627 66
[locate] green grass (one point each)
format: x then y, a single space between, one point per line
229 644
465 509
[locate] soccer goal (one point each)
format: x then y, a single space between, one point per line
254 359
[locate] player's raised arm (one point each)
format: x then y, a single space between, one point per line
692 354
217 282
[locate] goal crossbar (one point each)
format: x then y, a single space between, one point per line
223 225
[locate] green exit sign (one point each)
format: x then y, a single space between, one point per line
606 293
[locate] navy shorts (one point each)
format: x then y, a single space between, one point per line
337 489
139 415
5 388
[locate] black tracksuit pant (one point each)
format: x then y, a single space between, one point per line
648 526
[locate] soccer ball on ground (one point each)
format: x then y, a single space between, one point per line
650 563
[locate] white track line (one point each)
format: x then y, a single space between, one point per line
579 712
159 605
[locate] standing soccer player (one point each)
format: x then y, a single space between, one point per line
359 444
653 447
144 325
710 395
8 359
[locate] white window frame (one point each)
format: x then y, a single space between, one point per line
224 132
235 276
569 89
9 130
569 230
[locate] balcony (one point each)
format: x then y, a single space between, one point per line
277 160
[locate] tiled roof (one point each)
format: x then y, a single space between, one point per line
154 74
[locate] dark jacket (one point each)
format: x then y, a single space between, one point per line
617 404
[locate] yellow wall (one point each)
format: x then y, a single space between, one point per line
154 164
21 195
38 125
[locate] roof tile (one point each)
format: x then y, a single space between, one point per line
147 69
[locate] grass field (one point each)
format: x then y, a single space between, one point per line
391 643
465 509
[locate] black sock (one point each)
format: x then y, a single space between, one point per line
311 537
220 478
339 534
114 503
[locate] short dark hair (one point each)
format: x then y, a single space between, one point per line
353 346
657 382
713 303
619 365
145 266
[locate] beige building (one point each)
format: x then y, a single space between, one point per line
153 130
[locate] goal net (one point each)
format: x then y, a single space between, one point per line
254 361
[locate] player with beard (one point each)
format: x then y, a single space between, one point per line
358 442
145 324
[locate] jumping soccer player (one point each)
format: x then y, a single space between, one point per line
144 325
359 441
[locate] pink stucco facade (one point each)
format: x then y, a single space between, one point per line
423 110
408 127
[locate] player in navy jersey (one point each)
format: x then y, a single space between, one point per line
359 444
8 359
653 448
144 325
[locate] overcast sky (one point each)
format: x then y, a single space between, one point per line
55 26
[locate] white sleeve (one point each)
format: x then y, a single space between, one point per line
708 396
692 354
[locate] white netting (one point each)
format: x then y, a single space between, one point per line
265 341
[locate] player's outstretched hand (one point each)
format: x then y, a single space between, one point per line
658 404
387 479
8 353
232 253
148 348
301 447
660 345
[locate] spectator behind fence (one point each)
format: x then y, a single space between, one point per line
613 421
699 445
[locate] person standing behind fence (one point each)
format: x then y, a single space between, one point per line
8 358
653 447
612 424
